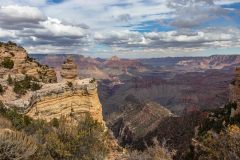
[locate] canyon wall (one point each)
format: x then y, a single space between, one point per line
73 99
234 95
70 97
23 64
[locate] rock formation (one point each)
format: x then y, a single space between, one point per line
63 99
212 62
23 64
71 97
136 120
114 58
69 70
235 89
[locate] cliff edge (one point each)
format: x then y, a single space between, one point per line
33 89
234 95
74 99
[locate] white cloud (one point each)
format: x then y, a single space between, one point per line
194 13
206 38
33 3
107 25
57 28
18 17
222 2
7 33
104 14
21 12
29 26
118 38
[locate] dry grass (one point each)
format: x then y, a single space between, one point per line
15 145
156 152
5 123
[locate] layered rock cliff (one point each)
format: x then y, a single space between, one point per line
136 120
66 99
212 62
47 99
234 95
15 60
32 89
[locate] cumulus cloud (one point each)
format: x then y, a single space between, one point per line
29 26
193 13
7 33
54 32
118 38
124 18
57 28
19 17
129 26
207 38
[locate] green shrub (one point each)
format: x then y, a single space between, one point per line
224 145
93 80
218 137
85 141
3 110
219 119
70 84
10 43
7 63
1 89
55 122
30 58
156 152
12 54
59 139
10 80
18 120
21 87
35 86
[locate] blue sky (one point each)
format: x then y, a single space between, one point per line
127 28
55 1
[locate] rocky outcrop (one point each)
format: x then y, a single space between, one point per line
136 120
94 67
234 95
124 65
114 58
212 62
69 70
63 99
23 64
72 97
43 97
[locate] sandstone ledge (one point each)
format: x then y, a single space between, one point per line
60 99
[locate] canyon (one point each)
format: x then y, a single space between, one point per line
180 84
137 99
157 94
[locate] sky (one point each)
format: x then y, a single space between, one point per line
126 28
